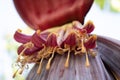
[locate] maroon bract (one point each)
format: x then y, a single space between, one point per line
44 14
68 38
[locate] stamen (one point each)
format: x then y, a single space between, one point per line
61 51
29 45
15 73
41 52
40 66
48 51
49 61
19 56
21 70
67 60
87 60
26 46
29 59
83 49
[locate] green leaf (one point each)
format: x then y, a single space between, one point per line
101 3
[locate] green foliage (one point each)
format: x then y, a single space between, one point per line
111 5
101 3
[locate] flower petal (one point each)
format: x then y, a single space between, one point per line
71 39
52 40
91 42
37 40
22 38
89 26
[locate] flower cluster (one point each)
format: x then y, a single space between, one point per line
67 39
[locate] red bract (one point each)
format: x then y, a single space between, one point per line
71 37
43 14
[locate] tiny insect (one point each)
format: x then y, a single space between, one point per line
66 39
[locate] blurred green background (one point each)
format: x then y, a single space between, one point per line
104 13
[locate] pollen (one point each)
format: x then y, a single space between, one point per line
67 39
